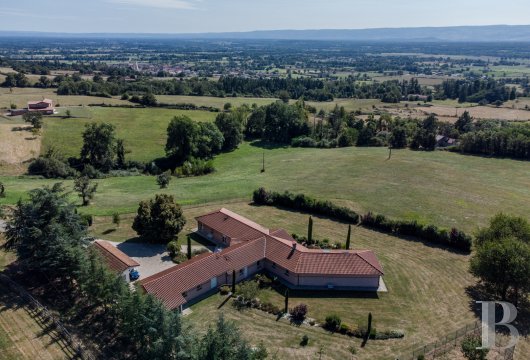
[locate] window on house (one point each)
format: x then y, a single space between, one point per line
224 238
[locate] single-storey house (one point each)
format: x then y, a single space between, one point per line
116 260
250 248
44 106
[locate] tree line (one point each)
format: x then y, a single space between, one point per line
50 240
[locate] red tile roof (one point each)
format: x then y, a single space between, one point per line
169 284
233 225
301 260
259 243
47 101
116 259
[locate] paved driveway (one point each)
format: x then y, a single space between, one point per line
151 257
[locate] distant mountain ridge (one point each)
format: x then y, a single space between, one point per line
490 33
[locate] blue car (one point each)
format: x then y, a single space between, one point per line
134 275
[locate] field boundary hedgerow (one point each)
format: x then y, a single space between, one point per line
454 238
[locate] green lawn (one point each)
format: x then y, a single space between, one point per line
144 130
426 297
217 102
445 188
416 275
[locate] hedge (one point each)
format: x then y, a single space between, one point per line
454 238
305 203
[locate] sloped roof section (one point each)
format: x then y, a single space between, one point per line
115 259
301 260
237 227
169 285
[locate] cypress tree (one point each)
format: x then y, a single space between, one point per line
189 247
369 330
233 282
310 230
348 238
286 301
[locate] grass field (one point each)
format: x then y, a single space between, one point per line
426 297
445 188
21 337
144 130
416 276
21 96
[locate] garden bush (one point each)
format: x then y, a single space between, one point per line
332 322
304 203
224 290
305 340
299 312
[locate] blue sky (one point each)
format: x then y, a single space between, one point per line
184 16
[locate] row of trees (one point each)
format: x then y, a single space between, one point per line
50 240
479 91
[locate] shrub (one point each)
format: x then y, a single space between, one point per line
305 340
51 168
180 258
173 248
299 312
163 179
116 219
304 141
344 328
87 219
471 348
248 290
224 290
332 322
195 167
455 238
305 203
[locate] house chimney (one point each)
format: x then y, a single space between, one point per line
294 245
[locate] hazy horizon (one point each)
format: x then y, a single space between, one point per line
209 16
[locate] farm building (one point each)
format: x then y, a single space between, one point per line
44 106
115 259
250 248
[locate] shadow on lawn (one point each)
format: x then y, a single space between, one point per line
480 292
268 145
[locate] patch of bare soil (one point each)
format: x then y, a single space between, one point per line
17 145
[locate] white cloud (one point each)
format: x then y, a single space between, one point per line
163 4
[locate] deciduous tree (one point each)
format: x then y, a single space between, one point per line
159 220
